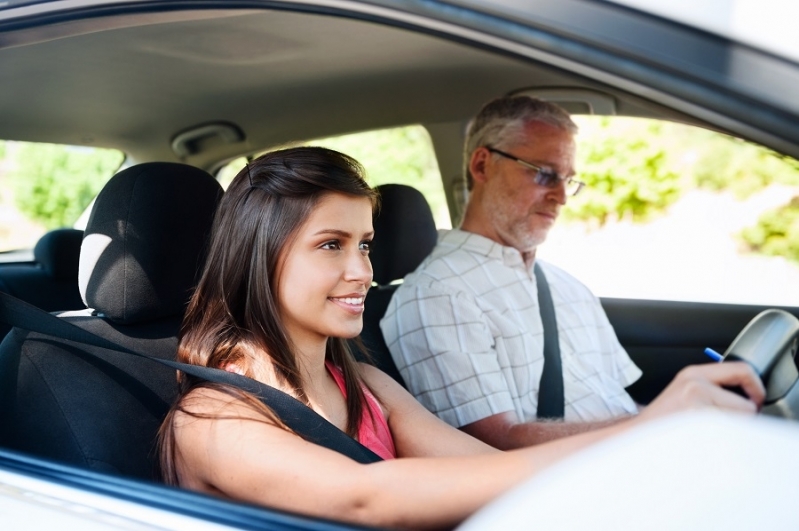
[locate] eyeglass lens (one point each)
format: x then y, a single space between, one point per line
550 179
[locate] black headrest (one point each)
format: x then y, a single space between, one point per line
405 232
145 241
58 252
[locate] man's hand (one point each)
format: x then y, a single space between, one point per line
701 386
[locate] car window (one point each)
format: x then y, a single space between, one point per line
47 186
401 155
675 212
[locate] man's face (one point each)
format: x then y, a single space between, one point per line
520 211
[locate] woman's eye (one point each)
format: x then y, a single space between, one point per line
366 246
333 245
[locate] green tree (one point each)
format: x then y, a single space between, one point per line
727 163
400 155
776 232
627 173
53 184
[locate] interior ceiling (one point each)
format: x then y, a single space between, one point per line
279 76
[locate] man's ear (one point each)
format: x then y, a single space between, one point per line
478 162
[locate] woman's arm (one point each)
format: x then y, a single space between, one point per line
253 460
416 431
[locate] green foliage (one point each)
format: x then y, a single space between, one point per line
727 163
635 168
401 155
627 175
54 184
776 232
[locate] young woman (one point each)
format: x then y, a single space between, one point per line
284 285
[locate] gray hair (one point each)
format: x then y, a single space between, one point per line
501 122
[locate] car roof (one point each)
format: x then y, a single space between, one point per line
765 24
151 82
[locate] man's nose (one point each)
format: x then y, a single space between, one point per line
558 192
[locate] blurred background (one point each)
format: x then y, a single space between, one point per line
671 211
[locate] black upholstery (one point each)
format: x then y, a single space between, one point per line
51 282
405 233
143 248
134 260
377 300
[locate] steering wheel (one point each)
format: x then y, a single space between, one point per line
769 343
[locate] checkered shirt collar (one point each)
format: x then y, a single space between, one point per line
449 240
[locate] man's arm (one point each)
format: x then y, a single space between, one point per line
505 432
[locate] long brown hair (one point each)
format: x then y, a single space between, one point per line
234 313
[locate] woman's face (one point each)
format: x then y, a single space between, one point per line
326 271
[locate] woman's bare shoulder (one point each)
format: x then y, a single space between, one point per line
213 402
205 413
377 379
391 394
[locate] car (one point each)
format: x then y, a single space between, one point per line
211 83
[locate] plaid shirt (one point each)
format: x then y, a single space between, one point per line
465 332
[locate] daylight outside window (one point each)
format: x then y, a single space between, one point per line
671 211
47 186
675 212
402 155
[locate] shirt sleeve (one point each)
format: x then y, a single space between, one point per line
443 346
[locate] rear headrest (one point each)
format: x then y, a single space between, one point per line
145 241
405 232
58 252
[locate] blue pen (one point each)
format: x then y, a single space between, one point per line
712 354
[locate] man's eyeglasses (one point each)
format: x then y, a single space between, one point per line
544 176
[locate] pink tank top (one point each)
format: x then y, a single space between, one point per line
374 434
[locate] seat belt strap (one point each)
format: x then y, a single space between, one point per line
300 418
550 389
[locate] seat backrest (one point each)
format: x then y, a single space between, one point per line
405 233
51 281
144 245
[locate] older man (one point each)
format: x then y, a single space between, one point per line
465 329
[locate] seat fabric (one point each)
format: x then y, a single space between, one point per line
100 409
51 282
405 233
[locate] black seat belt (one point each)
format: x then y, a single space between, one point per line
302 419
550 389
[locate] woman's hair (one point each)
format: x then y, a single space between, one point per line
234 314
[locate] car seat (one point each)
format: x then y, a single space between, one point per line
140 257
51 282
405 233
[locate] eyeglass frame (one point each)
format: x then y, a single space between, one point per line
541 174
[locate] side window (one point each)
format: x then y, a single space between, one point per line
47 186
675 212
401 155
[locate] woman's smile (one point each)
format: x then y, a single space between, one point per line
352 303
